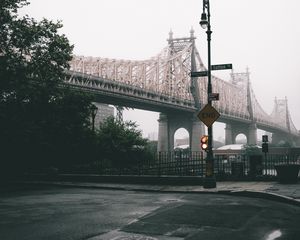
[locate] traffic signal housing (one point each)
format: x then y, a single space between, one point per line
204 142
265 147
265 138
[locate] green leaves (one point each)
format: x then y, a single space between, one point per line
43 124
34 57
39 119
121 142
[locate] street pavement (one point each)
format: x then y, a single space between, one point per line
90 211
289 193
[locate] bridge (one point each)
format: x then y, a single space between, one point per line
163 84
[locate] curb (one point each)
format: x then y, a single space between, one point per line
267 195
243 193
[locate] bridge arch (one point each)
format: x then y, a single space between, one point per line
233 130
241 138
169 123
181 137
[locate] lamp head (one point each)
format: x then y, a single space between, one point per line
94 110
203 22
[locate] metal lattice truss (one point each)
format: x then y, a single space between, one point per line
237 99
233 99
168 74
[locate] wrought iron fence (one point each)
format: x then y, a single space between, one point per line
187 163
251 166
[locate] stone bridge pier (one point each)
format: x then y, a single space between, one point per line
234 129
169 123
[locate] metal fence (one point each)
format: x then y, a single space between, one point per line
187 163
180 163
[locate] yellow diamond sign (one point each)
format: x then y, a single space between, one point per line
208 115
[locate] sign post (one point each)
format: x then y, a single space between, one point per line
210 117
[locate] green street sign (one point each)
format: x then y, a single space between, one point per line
221 66
213 67
199 74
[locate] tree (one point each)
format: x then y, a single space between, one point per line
252 149
34 57
121 143
41 122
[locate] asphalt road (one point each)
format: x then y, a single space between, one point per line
93 214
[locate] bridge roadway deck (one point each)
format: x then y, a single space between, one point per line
117 93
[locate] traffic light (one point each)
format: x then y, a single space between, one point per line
204 142
265 147
265 138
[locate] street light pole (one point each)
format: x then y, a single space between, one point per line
209 181
94 110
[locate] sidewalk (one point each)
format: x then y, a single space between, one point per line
289 193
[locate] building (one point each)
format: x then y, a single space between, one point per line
104 111
153 136
181 141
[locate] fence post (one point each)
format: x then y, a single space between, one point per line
159 160
180 162
265 168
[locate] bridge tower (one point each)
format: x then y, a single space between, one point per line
232 129
281 113
170 122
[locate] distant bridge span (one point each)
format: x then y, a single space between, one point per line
163 84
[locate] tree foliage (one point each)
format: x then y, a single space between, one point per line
42 123
33 57
252 150
121 143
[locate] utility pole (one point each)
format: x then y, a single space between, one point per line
209 181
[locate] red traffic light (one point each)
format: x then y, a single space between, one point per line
204 142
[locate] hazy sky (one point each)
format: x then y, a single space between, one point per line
263 35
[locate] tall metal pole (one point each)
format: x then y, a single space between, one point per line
94 110
93 123
209 181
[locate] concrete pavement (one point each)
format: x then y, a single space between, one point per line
289 193
60 213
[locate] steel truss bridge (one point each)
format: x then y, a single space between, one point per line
163 84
